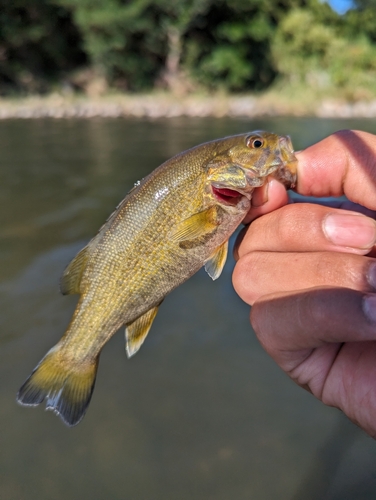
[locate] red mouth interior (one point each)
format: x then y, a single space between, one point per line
225 194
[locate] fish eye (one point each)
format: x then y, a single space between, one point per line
255 142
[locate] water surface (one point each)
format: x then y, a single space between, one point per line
201 412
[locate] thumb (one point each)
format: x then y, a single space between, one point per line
342 164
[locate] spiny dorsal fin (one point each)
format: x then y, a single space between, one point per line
66 388
71 279
214 266
195 226
136 332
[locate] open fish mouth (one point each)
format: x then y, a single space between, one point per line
226 195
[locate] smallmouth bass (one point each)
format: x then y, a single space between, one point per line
176 220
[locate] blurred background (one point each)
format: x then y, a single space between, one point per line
297 47
201 413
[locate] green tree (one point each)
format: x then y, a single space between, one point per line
365 4
309 50
177 20
39 44
235 45
120 39
232 48
136 42
223 43
362 18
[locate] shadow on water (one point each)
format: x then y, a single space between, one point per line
201 412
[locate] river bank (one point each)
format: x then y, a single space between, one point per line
159 105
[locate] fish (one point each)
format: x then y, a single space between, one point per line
176 220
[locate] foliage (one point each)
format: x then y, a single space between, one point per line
230 50
119 39
361 20
181 45
352 66
312 51
300 47
38 43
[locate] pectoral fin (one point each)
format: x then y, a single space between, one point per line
214 266
136 332
71 279
197 225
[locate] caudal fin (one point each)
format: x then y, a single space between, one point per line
66 388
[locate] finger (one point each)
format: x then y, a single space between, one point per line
308 227
342 164
263 273
266 199
325 340
290 325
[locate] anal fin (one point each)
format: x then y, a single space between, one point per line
214 266
136 332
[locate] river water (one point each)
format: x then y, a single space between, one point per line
201 412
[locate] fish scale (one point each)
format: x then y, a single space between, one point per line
173 222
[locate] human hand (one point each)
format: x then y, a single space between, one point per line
308 271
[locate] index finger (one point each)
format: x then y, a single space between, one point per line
342 164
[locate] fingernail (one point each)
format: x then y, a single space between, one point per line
369 307
350 230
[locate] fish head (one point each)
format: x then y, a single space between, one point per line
247 163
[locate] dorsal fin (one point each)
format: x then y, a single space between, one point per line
71 279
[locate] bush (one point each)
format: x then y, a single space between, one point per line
313 53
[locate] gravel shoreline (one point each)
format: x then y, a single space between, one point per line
158 106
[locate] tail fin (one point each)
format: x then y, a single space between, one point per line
66 388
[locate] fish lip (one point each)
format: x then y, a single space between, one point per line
287 153
286 144
288 172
